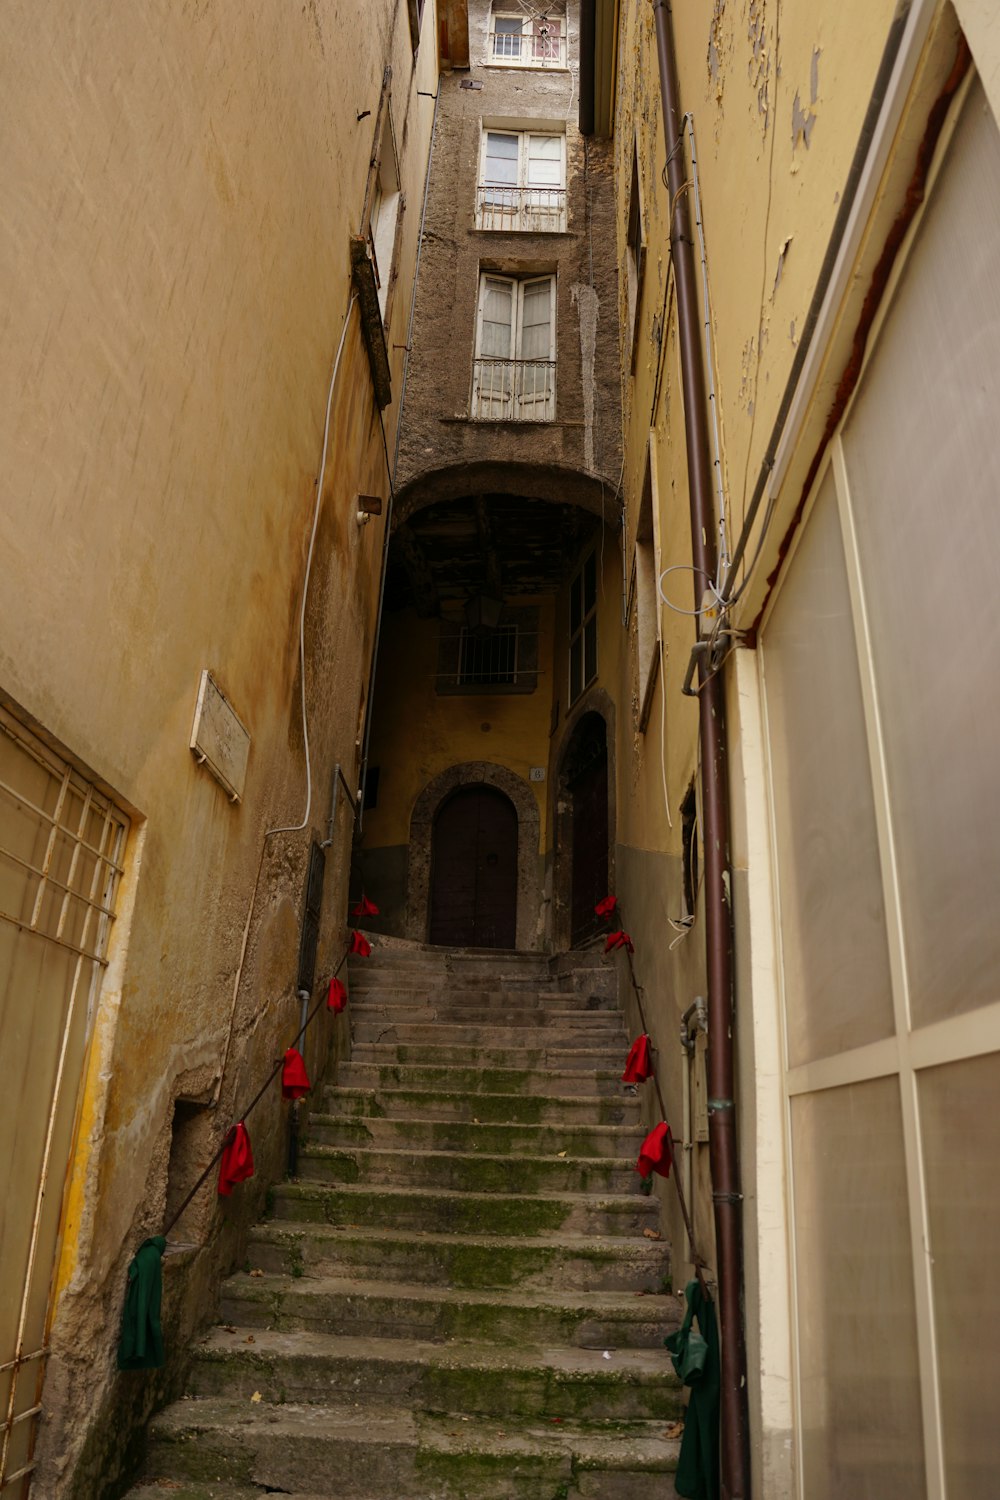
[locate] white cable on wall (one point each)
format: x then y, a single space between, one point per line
293 827
298 827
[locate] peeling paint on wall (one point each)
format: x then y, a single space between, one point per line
803 120
759 66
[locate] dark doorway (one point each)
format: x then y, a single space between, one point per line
585 778
474 870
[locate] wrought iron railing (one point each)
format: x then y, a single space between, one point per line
514 390
532 210
527 49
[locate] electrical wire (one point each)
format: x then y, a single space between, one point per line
298 827
688 568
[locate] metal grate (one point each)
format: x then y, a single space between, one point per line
528 49
514 390
61 846
488 657
535 210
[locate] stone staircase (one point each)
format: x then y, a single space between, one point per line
456 1298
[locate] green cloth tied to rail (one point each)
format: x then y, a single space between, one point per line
141 1343
696 1359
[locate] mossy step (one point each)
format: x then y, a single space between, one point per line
474 1172
472 1134
380 1449
558 1033
553 1056
531 1381
169 1489
610 1263
443 1012
522 999
551 1083
464 1212
562 1110
365 1308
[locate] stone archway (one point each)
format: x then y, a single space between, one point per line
597 703
476 773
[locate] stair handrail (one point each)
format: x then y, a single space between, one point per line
697 1259
255 1100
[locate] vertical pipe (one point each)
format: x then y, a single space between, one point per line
712 732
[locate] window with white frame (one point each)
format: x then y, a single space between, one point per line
514 372
522 180
635 255
527 38
647 604
583 627
384 221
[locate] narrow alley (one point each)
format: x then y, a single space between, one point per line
499 817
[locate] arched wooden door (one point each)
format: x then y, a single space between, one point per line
585 777
474 870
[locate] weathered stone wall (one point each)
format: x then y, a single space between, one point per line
438 432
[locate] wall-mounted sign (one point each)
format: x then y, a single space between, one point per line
537 773
218 739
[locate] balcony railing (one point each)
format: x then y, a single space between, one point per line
526 49
514 390
533 210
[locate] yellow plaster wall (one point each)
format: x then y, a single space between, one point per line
180 184
418 733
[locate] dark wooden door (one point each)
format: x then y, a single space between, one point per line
474 871
589 791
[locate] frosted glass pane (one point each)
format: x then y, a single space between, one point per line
501 159
535 341
497 326
861 1428
835 957
924 467
961 1136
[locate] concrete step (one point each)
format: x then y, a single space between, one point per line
380 1449
553 1055
418 1132
468 1171
406 1012
485 1035
440 1314
526 998
548 1084
525 1109
531 1381
448 1211
475 1261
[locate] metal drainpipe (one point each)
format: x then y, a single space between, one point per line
712 731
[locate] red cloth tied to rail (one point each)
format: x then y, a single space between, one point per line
294 1078
618 940
337 998
639 1063
237 1160
364 908
359 944
607 907
656 1153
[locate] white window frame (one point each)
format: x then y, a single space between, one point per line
521 207
513 404
384 214
647 598
526 56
